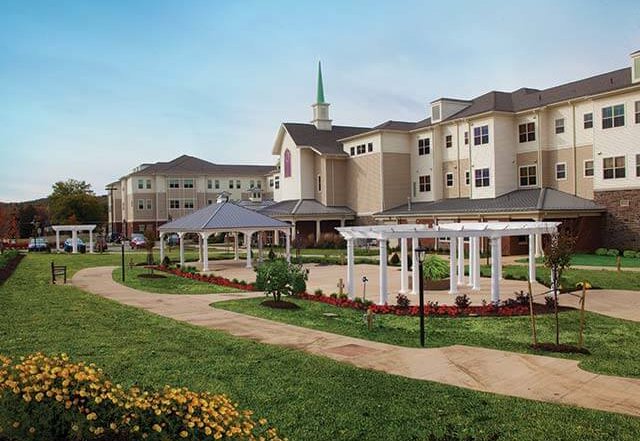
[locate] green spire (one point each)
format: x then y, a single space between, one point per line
320 97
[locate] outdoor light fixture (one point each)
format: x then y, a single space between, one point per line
421 254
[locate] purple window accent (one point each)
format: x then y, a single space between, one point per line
287 164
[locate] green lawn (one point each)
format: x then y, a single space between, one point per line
595 260
306 397
329 251
603 279
171 284
615 343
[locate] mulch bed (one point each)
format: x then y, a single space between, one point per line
563 348
152 276
282 304
10 267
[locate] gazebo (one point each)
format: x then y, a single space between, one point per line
74 235
456 233
224 217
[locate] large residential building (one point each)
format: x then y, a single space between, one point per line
153 194
570 153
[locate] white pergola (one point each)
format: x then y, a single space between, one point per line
74 235
224 217
457 233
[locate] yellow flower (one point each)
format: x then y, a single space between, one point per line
156 428
92 416
32 430
16 424
75 427
183 434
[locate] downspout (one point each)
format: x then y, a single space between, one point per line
458 153
155 190
540 149
575 152
470 177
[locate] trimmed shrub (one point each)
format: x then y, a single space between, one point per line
629 253
395 259
613 252
463 301
435 268
601 252
403 301
318 292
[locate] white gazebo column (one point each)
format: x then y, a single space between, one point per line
453 288
247 240
74 241
276 238
476 264
161 248
495 274
199 248
287 245
236 238
260 246
317 231
57 240
91 240
350 262
382 245
415 265
532 259
181 239
460 261
205 250
403 265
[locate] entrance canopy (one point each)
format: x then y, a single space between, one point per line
223 217
74 235
455 233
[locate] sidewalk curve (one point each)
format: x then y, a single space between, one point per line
520 375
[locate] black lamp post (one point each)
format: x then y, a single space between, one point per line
420 254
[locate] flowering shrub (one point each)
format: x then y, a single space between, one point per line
214 280
51 398
431 308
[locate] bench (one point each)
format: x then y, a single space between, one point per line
58 270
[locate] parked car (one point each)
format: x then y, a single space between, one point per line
38 244
68 246
137 241
114 238
173 240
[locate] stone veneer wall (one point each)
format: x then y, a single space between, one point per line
622 224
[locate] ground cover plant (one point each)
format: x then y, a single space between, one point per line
167 284
9 261
307 397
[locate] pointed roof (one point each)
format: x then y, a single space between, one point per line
320 95
190 165
223 216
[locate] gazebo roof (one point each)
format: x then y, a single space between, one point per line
223 216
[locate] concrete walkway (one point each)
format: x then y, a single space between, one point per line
528 376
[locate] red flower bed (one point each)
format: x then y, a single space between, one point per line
214 280
439 310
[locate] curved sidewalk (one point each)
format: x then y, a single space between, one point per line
521 375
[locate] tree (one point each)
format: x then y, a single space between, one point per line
149 243
277 277
558 258
73 201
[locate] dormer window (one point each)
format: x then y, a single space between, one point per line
435 112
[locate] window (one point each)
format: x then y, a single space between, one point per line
481 135
613 116
188 203
467 177
637 109
209 201
466 138
528 175
588 168
187 183
527 132
287 163
449 179
425 183
277 182
271 182
140 183
174 203
448 141
238 184
140 204
252 183
148 184
637 165
613 168
362 148
523 240
230 184
370 147
209 184
561 171
148 204
559 125
424 146
216 184
482 177
319 183
353 151
588 120
174 183
259 184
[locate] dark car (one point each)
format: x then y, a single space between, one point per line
38 244
68 246
114 238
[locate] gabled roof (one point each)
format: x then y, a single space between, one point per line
223 216
190 165
304 207
323 141
529 200
395 125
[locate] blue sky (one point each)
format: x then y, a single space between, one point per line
91 89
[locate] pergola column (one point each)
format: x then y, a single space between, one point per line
500 258
476 264
538 241
161 248
472 256
495 274
415 265
205 250
382 244
403 265
453 288
181 238
460 261
247 239
74 241
91 241
350 262
287 245
57 240
532 258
